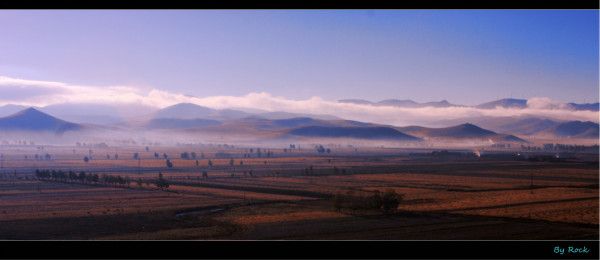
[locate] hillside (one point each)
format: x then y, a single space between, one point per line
31 119
352 132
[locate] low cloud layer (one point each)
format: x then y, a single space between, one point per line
42 93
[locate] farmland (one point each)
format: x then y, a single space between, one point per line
226 192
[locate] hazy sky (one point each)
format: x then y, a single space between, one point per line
466 57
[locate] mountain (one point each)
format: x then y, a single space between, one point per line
505 103
459 131
31 119
184 111
520 125
356 101
443 103
586 106
286 115
261 124
379 133
574 129
10 109
174 123
463 131
538 126
298 121
398 103
193 111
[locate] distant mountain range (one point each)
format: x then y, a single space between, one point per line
543 127
503 103
398 103
193 111
196 119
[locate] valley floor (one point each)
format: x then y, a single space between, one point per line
443 199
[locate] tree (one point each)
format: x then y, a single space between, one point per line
89 178
82 176
185 155
73 176
390 201
161 183
95 178
320 149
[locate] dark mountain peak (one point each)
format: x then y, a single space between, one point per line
468 129
469 126
187 104
30 110
31 113
31 119
184 108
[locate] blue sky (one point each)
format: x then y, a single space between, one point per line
466 57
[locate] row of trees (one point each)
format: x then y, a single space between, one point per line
387 202
94 179
321 149
69 176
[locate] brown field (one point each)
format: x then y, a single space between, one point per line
461 198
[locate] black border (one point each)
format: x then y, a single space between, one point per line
296 249
293 249
302 4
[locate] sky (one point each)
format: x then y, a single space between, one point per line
463 56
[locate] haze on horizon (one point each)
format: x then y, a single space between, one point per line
466 57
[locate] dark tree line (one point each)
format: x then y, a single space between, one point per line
387 202
94 179
70 176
